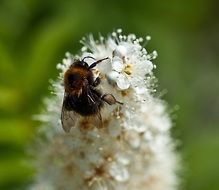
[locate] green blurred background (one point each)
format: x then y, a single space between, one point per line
35 34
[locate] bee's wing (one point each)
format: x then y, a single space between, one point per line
89 122
68 118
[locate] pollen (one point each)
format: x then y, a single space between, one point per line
128 69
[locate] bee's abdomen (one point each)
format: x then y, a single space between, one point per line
86 104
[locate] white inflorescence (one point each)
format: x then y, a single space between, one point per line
133 150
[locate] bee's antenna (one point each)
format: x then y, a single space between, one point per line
95 63
87 58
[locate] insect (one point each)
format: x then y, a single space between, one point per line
82 97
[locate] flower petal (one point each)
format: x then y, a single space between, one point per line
120 51
122 82
113 75
117 64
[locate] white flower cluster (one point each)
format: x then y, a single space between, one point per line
133 150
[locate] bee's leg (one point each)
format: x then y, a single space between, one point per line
91 99
110 99
96 82
101 125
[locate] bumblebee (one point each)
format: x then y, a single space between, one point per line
81 93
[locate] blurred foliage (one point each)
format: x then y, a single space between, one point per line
35 34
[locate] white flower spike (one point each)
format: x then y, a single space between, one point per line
133 150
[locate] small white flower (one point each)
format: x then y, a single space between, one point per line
129 64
